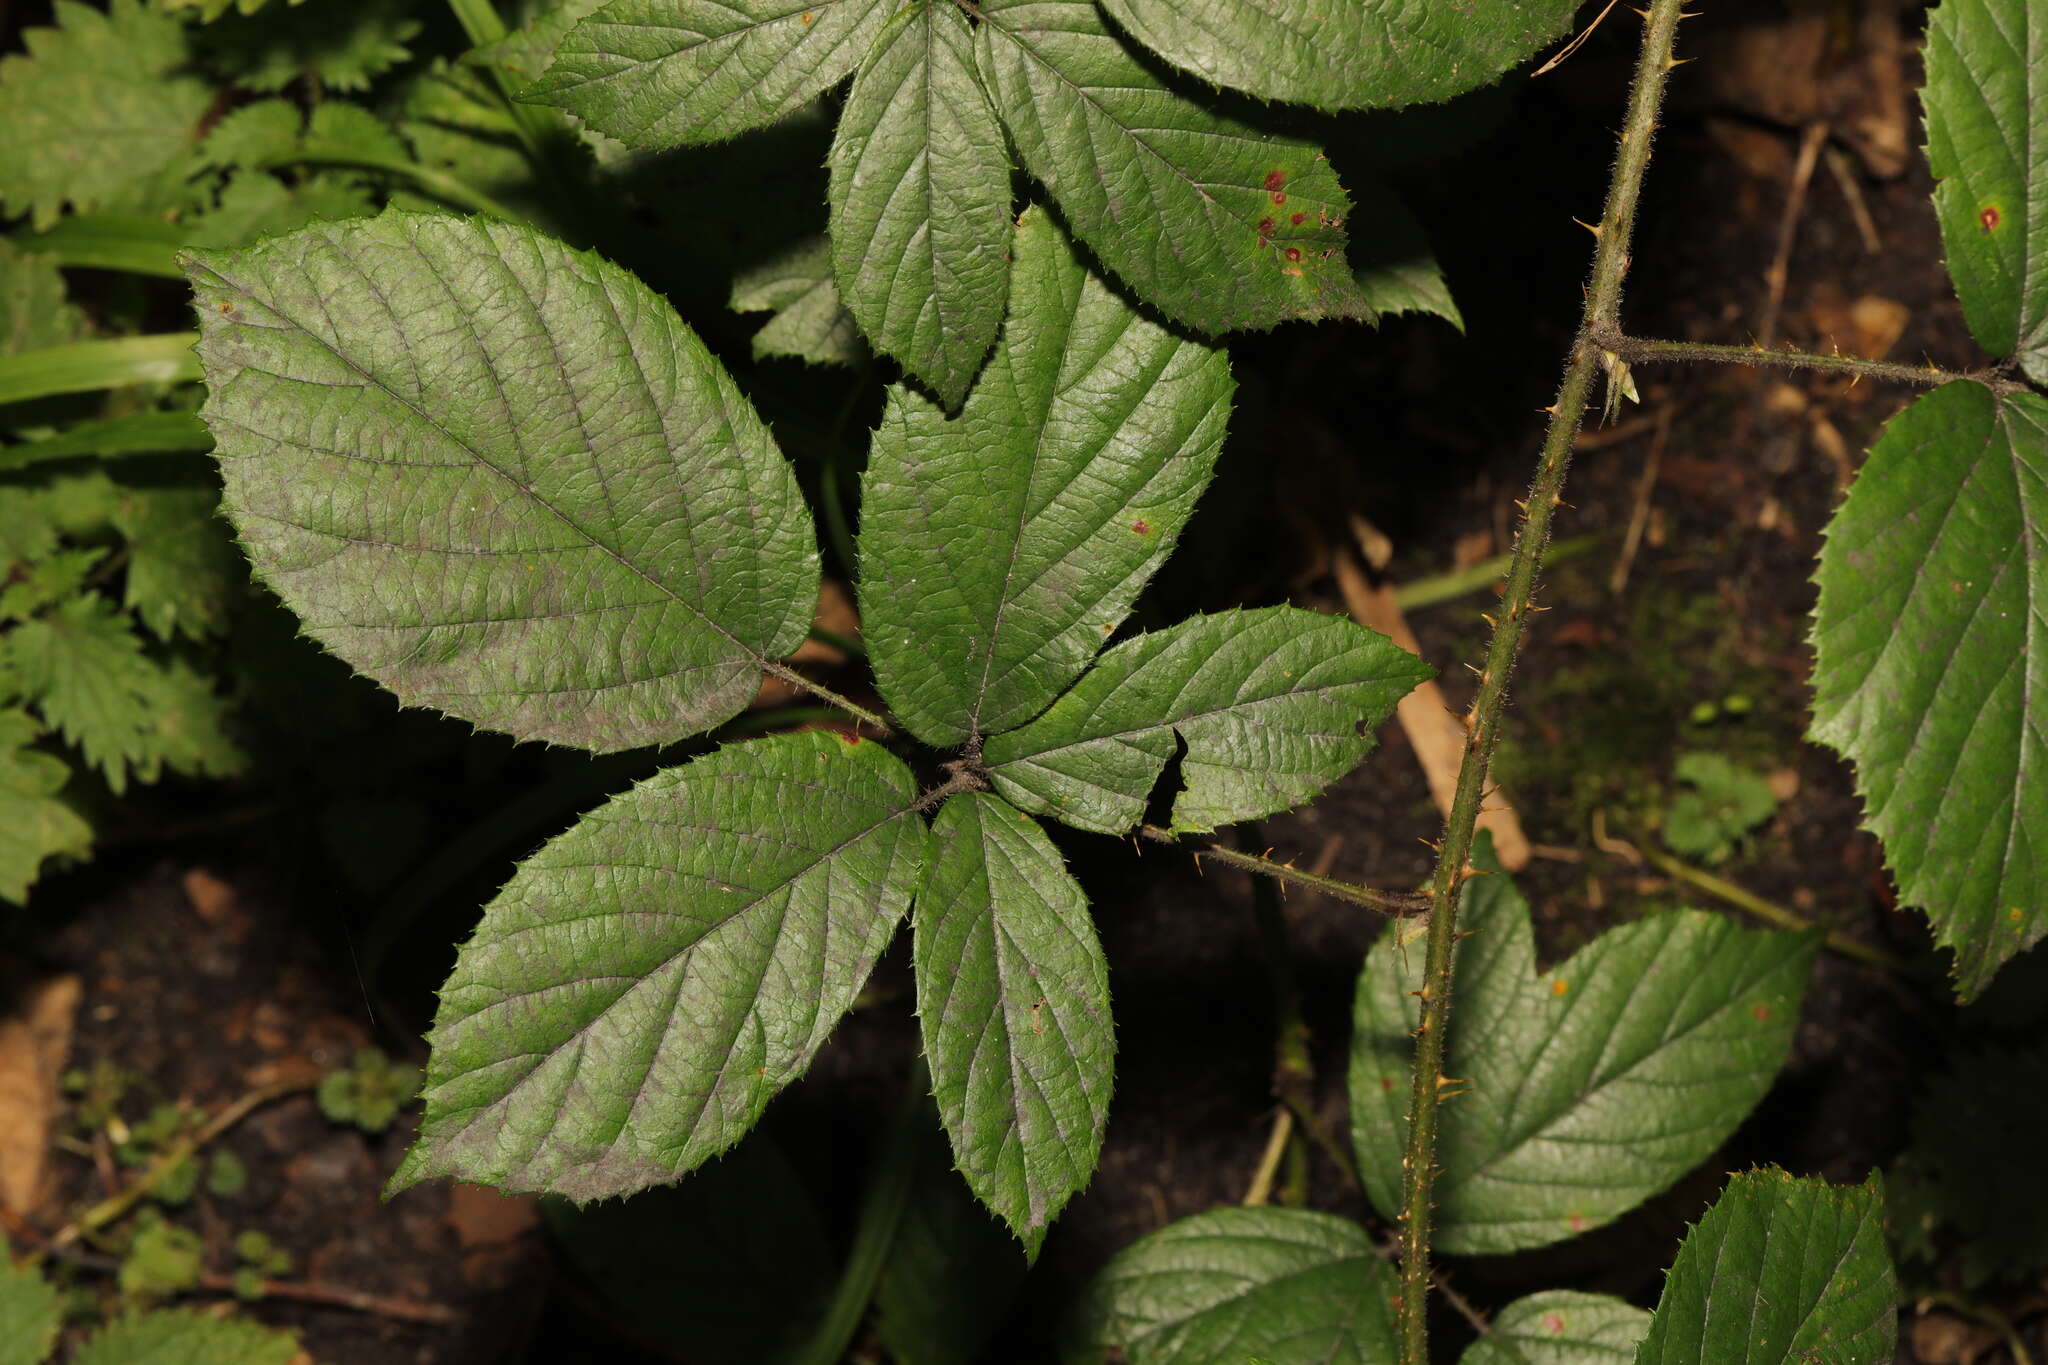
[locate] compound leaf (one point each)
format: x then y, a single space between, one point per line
1987 128
1586 1089
650 979
1562 1327
670 73
186 1336
100 105
1291 1286
1071 469
810 323
920 201
1344 54
1013 993
1931 662
1780 1270
501 477
1273 705
1218 225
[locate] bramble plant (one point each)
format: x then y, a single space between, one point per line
503 477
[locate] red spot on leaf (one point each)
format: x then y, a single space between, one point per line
1298 219
1990 217
1275 179
1279 198
1386 1084
808 16
1294 253
1759 1012
1554 1324
1577 1221
1143 528
1265 227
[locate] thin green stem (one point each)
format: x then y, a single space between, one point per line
83 366
881 1212
1637 350
845 644
438 183
1445 587
1602 311
537 133
1386 902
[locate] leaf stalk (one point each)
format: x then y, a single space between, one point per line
1395 903
1639 350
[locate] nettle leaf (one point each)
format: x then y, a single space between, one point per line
810 323
339 47
1585 1089
30 1310
671 73
186 1336
1291 1286
102 104
1344 54
650 979
34 309
182 567
1273 705
1780 1270
920 199
501 477
1218 225
1931 659
1562 1327
1987 126
36 824
1013 993
1071 469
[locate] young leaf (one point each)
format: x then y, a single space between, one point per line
1071 469
1218 225
921 201
255 135
1561 1327
1291 1286
669 73
1344 54
809 324
102 104
1931 660
1013 993
186 1336
1583 1090
1780 1270
30 1311
501 477
649 980
1987 144
1273 705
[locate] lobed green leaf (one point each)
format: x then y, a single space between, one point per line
1218 225
1013 994
501 477
186 1336
1273 706
1070 471
920 198
650 979
1780 1270
1931 659
1583 1090
30 1309
1292 1286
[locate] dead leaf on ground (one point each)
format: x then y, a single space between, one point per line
34 1042
1941 1338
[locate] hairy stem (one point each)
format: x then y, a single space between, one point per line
1602 314
1386 902
824 693
1637 350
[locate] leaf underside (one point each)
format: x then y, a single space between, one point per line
1273 705
1780 1270
1344 54
650 979
1218 225
1287 1286
1987 144
1013 994
1585 1090
501 477
1931 664
999 547
1561 1327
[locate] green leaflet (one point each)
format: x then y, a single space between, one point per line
670 73
1931 662
1289 1286
650 979
1344 54
1273 705
1013 994
30 1311
1780 1270
1586 1089
1561 1327
1218 225
1070 471
921 201
1987 143
186 1336
102 104
501 477
1392 263
809 324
